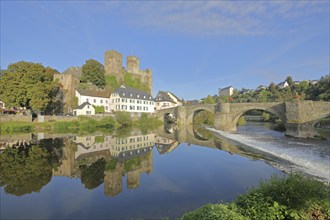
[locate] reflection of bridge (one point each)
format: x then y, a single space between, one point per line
299 116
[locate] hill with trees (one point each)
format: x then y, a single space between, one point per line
304 90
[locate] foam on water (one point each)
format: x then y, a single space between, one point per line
311 157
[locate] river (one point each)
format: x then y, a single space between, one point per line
143 175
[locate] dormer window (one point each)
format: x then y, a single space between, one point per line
138 96
144 97
130 95
123 94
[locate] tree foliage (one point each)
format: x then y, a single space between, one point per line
25 170
93 72
92 176
292 197
301 91
27 84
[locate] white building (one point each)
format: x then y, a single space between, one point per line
95 98
283 85
131 100
227 91
84 109
165 100
2 104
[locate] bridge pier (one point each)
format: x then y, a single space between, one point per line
300 130
223 118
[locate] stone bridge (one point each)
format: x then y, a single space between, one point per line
299 117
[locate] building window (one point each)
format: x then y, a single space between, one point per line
138 96
106 107
94 100
106 101
86 100
101 101
88 106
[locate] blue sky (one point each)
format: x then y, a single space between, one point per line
192 47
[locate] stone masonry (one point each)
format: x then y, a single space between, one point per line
113 62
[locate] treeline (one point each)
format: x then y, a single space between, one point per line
31 86
303 90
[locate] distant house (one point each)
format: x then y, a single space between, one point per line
227 91
313 82
128 99
283 85
261 87
2 104
245 91
84 109
165 100
296 82
96 98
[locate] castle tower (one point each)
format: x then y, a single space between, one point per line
113 62
133 64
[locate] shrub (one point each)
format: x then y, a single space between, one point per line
215 211
124 119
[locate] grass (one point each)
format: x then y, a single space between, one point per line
83 124
14 127
291 197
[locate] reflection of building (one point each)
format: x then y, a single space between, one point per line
166 100
132 145
165 145
130 156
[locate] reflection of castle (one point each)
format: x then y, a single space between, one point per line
165 145
130 156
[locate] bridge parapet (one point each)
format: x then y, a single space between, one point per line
299 116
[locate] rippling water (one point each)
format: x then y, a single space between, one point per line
308 156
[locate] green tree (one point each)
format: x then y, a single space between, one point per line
289 80
92 176
208 100
25 170
93 72
26 84
124 119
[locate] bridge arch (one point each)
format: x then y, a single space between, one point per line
277 114
238 109
193 110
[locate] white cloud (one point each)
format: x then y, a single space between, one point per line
221 17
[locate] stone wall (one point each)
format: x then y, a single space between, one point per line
133 64
69 82
16 118
113 62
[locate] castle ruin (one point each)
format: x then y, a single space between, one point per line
113 64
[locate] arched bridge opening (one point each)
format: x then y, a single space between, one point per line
261 117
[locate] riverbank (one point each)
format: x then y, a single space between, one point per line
292 197
82 123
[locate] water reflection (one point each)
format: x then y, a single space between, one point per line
95 159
